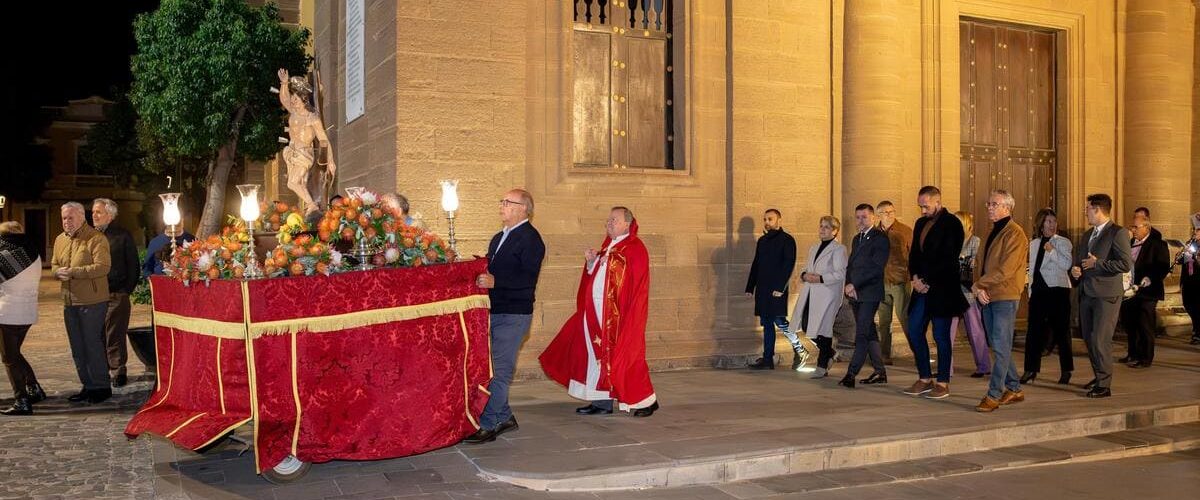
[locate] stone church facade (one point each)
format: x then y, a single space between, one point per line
700 114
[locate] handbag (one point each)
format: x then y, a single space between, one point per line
966 271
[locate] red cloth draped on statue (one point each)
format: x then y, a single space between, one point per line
620 344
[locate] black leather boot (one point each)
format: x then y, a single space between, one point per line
35 393
21 406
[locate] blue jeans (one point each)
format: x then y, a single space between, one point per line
769 324
508 330
85 334
918 321
998 319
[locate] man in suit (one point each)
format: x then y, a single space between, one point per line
514 262
998 286
937 294
1101 257
774 261
1151 263
864 285
122 278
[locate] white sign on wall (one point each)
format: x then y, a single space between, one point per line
355 79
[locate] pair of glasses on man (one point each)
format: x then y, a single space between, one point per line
506 202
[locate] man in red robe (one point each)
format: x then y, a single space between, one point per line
600 353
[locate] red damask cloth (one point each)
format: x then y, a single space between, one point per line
357 366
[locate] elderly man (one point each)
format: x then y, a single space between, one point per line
998 286
1102 255
600 352
1151 264
122 278
514 261
399 203
897 291
81 262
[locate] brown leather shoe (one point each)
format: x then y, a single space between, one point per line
939 391
1010 397
987 405
918 388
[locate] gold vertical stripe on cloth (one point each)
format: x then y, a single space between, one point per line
462 320
295 396
252 376
170 375
220 384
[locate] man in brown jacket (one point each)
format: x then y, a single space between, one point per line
81 262
896 288
998 285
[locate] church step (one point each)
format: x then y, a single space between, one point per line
740 459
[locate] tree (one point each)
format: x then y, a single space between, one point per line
201 76
112 145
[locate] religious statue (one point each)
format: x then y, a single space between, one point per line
306 139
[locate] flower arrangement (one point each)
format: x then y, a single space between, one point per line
411 246
359 218
216 257
276 214
304 255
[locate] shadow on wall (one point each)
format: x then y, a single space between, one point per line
732 311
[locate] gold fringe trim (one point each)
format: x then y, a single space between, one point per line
200 326
323 324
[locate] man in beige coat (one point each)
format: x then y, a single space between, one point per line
998 286
81 262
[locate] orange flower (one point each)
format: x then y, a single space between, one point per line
214 240
370 232
303 239
268 262
274 219
387 227
363 220
336 214
376 213
226 254
431 256
408 242
233 246
322 268
281 207
239 272
416 263
214 273
297 251
296 269
324 234
351 213
337 203
347 234
355 203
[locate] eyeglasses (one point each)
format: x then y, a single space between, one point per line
504 202
992 204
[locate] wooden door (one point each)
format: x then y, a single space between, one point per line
1007 117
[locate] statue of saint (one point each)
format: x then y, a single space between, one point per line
306 139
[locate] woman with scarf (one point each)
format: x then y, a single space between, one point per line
20 271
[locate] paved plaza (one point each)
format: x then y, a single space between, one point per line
722 434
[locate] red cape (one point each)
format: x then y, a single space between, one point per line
620 346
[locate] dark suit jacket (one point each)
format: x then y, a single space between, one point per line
774 261
125 271
1154 262
934 258
865 267
1113 259
516 267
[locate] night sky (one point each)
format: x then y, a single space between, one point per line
67 50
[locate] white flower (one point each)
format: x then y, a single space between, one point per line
392 254
205 261
369 198
335 258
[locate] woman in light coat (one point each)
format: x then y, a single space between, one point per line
20 271
1049 298
824 276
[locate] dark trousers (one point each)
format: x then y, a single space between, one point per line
918 321
769 323
1138 321
1097 321
1049 322
508 330
116 325
85 333
1191 302
825 344
866 338
20 374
